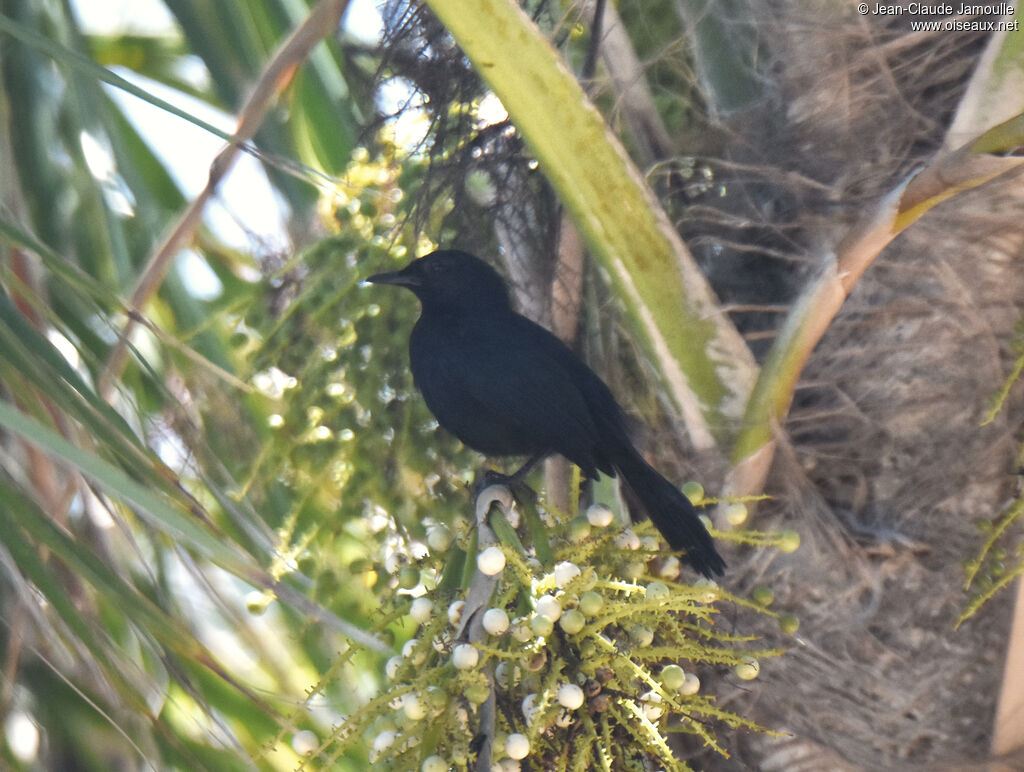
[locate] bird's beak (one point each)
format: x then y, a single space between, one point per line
398 278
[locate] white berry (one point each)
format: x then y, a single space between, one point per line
465 656
421 609
565 572
570 696
491 561
691 684
414 707
600 515
548 606
495 621
391 667
382 741
517 746
455 612
434 764
305 742
529 707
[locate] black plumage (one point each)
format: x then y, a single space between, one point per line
505 386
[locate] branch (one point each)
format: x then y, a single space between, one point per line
478 597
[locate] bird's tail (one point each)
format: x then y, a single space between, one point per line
670 511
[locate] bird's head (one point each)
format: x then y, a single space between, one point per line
450 280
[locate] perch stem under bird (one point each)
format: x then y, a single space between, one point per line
505 386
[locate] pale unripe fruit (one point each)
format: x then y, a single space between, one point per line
414 707
570 696
256 603
736 514
548 606
434 764
691 685
495 621
408 577
410 653
670 567
627 540
421 609
529 707
521 631
565 572
507 675
572 621
641 636
789 624
477 693
591 602
748 669
763 596
711 594
305 742
455 612
465 656
439 538
672 677
600 515
542 626
491 561
653 709
694 491
657 591
579 528
391 667
382 741
789 541
435 700
517 746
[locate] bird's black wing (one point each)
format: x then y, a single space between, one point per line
505 387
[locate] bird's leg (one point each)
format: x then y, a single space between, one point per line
492 477
514 482
520 474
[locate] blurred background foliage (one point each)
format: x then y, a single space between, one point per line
187 545
263 408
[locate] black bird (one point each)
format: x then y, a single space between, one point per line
505 386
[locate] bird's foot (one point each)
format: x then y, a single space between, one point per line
521 492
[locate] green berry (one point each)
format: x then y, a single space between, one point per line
748 669
641 636
694 491
789 541
477 693
439 538
657 591
572 621
789 624
542 626
672 677
763 596
434 764
408 577
591 602
579 528
736 514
